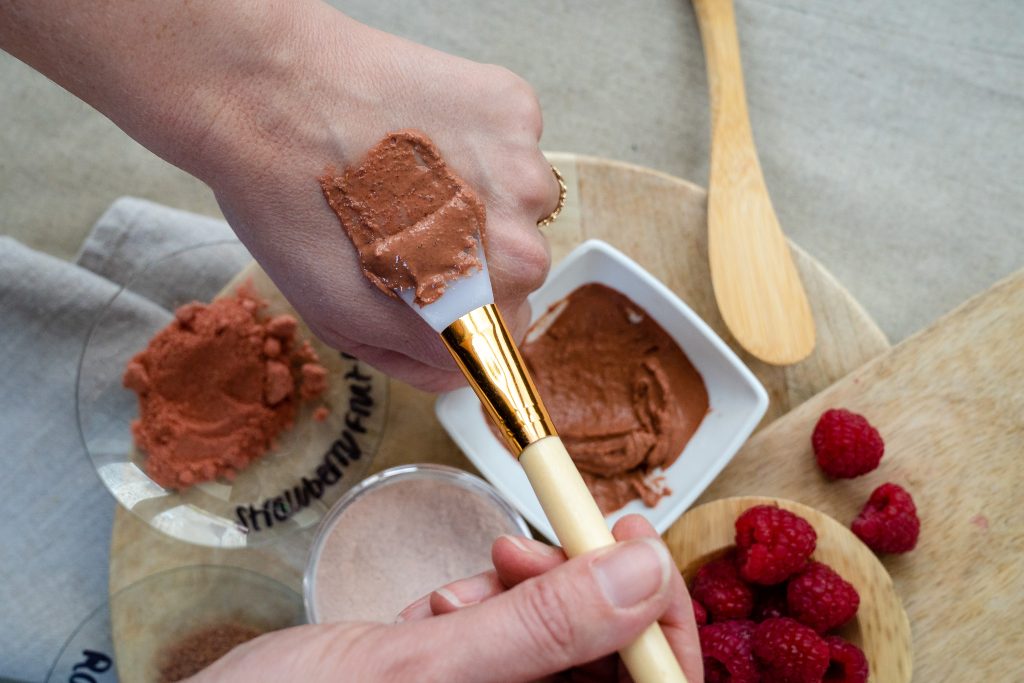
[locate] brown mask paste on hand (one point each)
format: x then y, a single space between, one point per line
413 221
623 396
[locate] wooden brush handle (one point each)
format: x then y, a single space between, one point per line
580 528
489 358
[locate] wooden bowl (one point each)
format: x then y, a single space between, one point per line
881 627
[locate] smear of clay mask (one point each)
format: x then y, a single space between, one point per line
414 222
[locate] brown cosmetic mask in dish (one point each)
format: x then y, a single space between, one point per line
623 396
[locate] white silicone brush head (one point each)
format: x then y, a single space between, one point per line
460 297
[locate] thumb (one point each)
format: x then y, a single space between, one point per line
578 612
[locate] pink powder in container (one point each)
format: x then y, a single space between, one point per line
399 535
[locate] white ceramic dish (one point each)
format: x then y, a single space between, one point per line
737 400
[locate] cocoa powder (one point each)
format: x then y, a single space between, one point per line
201 648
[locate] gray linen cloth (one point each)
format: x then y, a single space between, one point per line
55 514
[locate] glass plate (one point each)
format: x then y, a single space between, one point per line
289 488
155 613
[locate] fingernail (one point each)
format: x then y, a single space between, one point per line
417 610
633 571
467 592
528 545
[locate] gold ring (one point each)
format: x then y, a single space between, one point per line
562 192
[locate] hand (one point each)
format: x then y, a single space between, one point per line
328 106
537 616
257 99
517 560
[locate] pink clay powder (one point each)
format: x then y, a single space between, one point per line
399 540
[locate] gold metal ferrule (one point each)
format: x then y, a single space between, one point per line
490 359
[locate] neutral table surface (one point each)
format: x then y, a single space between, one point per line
890 133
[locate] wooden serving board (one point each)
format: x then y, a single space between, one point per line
658 220
949 403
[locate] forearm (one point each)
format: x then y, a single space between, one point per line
257 97
183 78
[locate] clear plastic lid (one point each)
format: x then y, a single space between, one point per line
510 521
133 635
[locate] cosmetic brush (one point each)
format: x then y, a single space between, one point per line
476 335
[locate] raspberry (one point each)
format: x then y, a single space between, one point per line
846 445
719 588
773 544
727 652
820 598
699 613
790 652
769 601
847 664
888 523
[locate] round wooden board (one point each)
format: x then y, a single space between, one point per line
658 220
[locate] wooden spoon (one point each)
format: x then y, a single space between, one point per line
756 284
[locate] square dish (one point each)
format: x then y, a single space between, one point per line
737 401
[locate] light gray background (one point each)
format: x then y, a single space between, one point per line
890 132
